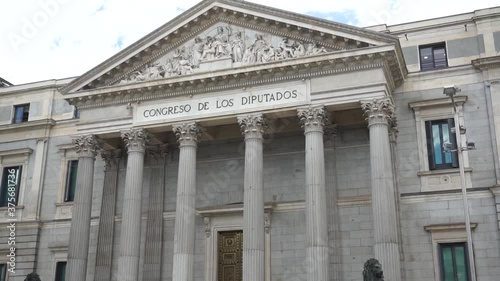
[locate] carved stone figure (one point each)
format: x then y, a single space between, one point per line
373 271
286 49
197 51
208 49
313 49
221 43
237 46
32 277
300 50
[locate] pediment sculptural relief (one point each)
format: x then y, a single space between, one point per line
224 46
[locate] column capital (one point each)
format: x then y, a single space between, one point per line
313 118
188 133
379 111
157 154
87 145
393 131
252 125
111 158
135 139
330 132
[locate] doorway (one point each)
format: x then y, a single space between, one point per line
230 256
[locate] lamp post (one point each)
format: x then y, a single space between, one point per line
451 91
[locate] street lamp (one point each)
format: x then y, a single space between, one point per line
451 91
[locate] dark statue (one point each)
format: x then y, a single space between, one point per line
373 271
32 277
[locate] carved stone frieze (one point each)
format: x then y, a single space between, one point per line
87 146
224 46
135 139
208 230
252 125
267 222
188 133
313 118
111 158
379 111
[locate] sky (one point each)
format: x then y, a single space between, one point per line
54 39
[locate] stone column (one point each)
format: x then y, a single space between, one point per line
313 120
157 156
128 263
253 126
104 255
78 250
380 116
334 237
185 211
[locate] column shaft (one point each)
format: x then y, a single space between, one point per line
128 263
253 212
253 204
78 249
316 211
380 115
154 226
185 211
104 255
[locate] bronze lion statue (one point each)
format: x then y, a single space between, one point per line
32 277
373 271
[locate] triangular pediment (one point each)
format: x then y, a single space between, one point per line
217 35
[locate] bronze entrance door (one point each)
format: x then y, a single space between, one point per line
230 247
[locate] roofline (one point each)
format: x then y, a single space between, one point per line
431 23
35 86
3 81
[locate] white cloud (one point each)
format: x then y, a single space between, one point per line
47 39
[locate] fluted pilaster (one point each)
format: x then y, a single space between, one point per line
105 235
128 264
314 120
380 116
157 156
185 213
86 147
253 126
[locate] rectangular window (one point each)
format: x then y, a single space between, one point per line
69 192
438 132
454 266
3 272
61 271
433 56
21 113
9 190
76 113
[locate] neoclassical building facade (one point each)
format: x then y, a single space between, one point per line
242 142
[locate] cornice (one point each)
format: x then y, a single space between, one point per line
303 68
22 151
487 63
29 125
437 102
207 13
